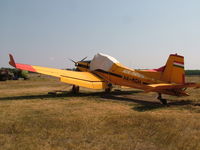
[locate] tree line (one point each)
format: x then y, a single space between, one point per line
192 72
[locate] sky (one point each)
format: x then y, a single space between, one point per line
138 33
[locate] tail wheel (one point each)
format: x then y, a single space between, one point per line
162 100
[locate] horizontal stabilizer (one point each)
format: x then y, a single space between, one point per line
163 86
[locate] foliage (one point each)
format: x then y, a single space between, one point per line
12 74
192 72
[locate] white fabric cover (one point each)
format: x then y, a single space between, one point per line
102 61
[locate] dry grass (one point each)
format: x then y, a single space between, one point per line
31 119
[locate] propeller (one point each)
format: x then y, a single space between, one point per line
76 62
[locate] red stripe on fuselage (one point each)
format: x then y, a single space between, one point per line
161 69
25 67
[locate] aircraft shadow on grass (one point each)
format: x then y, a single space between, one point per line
144 105
141 105
67 94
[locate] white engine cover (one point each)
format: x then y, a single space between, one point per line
102 61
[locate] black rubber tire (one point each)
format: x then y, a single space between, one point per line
108 90
163 101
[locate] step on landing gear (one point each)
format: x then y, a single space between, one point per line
75 89
162 100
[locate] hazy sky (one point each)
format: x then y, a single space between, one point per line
139 33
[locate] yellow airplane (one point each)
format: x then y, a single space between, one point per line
104 71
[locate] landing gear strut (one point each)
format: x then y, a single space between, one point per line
75 89
162 100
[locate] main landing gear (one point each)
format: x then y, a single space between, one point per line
75 89
109 88
162 100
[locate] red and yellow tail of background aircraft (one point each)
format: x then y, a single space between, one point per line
104 71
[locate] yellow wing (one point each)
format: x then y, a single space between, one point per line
84 79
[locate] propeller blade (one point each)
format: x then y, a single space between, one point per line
84 58
73 61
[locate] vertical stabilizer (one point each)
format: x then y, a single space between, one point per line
174 70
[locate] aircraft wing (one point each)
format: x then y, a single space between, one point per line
165 86
84 79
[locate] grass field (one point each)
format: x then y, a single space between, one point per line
129 120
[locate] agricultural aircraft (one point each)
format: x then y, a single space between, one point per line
104 71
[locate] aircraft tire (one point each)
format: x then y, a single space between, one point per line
108 90
163 101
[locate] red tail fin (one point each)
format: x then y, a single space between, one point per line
12 61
